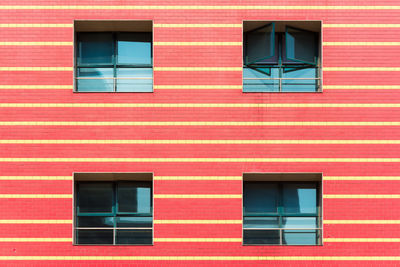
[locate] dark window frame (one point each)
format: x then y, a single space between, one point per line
115 214
114 64
280 214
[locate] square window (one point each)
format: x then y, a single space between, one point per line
282 56
113 56
113 209
282 209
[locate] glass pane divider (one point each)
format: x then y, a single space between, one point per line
117 228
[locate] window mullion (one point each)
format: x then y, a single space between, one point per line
115 61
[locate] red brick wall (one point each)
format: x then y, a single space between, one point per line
370 207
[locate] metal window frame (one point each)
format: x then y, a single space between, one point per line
114 213
318 215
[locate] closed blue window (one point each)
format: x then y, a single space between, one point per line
114 62
114 213
281 213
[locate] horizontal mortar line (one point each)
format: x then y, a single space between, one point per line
201 142
205 87
196 7
197 178
35 221
196 68
34 239
199 123
182 160
197 43
36 25
197 221
36 68
36 43
363 87
368 240
69 87
187 239
349 25
360 196
197 196
39 178
361 178
200 258
361 222
361 43
35 196
199 105
199 25
361 69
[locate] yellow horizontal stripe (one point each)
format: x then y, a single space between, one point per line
361 196
201 123
369 240
197 105
361 43
205 142
35 239
361 178
195 196
361 221
36 68
204 87
33 25
196 7
200 258
361 68
197 240
35 196
69 87
197 178
36 43
328 25
56 178
197 221
197 43
363 87
165 25
35 221
289 160
197 68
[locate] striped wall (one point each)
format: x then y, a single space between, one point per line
198 133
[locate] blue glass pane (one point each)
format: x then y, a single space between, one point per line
300 237
93 80
95 48
95 197
134 197
137 237
143 81
259 80
134 48
259 44
292 83
261 237
300 198
95 221
134 221
260 198
261 222
301 46
91 237
300 222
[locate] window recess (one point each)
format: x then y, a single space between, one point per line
113 57
280 57
113 213
281 213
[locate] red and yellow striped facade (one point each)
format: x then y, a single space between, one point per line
198 133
